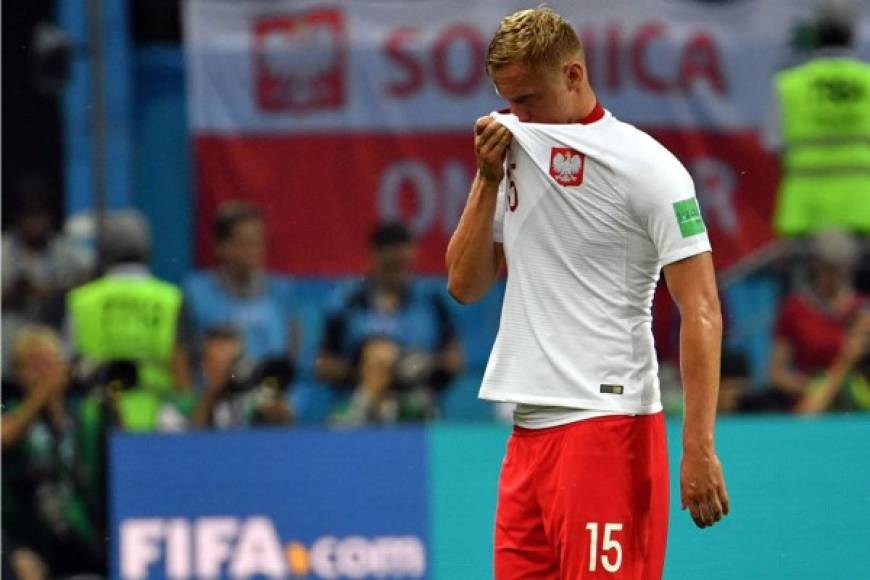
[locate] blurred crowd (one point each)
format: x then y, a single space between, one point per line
94 343
92 346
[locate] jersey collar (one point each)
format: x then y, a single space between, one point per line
596 114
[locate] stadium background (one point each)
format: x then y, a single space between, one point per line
192 117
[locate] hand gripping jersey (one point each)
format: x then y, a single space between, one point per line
588 214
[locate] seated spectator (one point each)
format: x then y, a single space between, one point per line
389 340
236 392
239 292
128 314
821 333
45 523
39 266
846 384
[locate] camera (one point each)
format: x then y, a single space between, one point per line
114 375
275 373
413 369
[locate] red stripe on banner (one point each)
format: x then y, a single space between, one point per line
323 194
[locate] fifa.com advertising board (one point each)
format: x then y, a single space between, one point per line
306 504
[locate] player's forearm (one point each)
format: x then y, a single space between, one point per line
471 260
700 356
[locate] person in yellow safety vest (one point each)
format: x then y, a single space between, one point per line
128 314
820 123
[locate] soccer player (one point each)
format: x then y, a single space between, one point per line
585 210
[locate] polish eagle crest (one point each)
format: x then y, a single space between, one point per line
566 166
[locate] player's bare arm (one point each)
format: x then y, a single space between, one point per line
473 259
702 484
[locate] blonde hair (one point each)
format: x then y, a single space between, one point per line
35 335
537 36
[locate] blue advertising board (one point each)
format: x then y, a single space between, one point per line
270 504
419 502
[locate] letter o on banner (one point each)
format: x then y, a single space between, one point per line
323 557
352 557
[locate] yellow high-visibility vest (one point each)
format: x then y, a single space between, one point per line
128 319
825 106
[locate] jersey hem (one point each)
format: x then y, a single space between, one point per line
567 419
571 403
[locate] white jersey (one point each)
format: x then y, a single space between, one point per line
588 214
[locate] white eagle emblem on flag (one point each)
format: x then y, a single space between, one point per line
566 165
299 61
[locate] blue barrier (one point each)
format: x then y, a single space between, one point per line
270 503
419 503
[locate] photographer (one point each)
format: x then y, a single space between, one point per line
116 402
239 291
237 392
128 313
390 340
45 524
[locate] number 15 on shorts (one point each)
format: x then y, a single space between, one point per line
610 549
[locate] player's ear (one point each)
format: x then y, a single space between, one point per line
575 74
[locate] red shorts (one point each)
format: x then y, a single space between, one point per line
584 500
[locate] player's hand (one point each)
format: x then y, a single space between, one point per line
491 141
702 487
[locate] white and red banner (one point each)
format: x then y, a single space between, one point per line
335 115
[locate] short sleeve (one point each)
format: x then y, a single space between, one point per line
498 217
664 200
